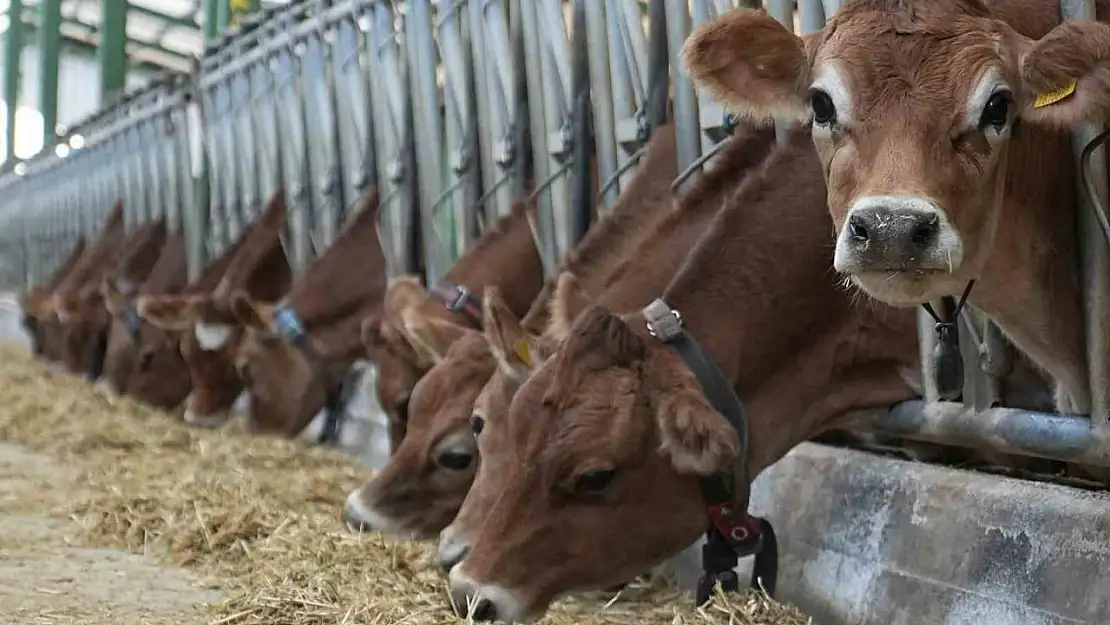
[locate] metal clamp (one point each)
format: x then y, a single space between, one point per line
663 322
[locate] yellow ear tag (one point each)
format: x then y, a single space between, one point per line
1052 97
520 348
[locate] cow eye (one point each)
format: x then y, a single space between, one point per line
824 112
997 111
477 424
594 482
454 461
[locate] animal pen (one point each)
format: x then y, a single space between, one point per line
449 108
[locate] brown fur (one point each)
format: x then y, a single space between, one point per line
645 231
414 328
256 265
331 299
910 67
614 399
38 325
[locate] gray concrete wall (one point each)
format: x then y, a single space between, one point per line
870 540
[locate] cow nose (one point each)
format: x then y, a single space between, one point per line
447 561
895 228
352 516
482 602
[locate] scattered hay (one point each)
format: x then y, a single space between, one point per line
259 517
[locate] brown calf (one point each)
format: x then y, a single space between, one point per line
208 335
77 302
914 108
645 231
42 329
157 375
614 429
628 286
135 265
289 370
416 324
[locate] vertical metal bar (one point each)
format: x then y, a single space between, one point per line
687 130
608 91
211 20
112 50
428 126
13 48
50 40
223 14
1094 257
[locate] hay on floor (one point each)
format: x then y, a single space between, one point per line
258 517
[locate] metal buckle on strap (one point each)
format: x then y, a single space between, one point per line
462 296
663 322
289 324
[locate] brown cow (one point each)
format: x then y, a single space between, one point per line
289 383
43 329
415 323
209 337
135 265
614 429
914 106
77 303
638 246
158 375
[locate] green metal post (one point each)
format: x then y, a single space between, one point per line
223 15
211 19
113 49
13 46
50 42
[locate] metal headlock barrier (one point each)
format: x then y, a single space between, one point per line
454 110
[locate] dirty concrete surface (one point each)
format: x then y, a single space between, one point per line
47 578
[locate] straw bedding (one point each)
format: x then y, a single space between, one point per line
258 518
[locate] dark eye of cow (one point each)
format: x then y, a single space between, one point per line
997 111
477 424
824 112
146 358
595 482
454 461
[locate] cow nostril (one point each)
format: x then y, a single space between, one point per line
449 563
484 610
857 229
925 232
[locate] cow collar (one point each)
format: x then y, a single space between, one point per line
290 326
948 363
458 298
733 532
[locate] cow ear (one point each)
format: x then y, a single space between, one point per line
696 437
751 63
168 312
1066 75
430 337
404 292
568 301
247 313
517 352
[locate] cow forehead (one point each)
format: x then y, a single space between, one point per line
931 69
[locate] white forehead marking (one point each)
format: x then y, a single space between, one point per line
989 82
212 336
830 79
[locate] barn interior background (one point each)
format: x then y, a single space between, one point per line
200 109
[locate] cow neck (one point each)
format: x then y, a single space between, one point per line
505 257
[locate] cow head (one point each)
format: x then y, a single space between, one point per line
401 353
610 432
85 321
208 339
278 376
421 488
912 107
518 354
123 332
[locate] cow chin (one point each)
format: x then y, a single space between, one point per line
208 421
906 288
362 517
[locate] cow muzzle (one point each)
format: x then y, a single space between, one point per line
894 234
